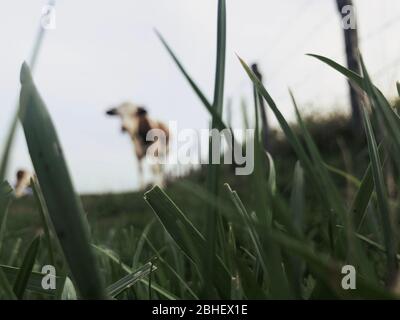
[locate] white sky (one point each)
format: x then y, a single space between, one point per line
103 52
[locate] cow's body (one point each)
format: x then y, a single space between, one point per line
136 122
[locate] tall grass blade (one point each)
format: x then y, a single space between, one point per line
6 195
297 198
68 292
333 197
129 280
347 176
290 135
374 244
24 273
140 244
185 235
352 250
294 141
214 113
379 182
114 258
181 280
214 225
268 254
64 206
259 176
6 291
362 199
14 251
13 128
294 265
251 289
35 280
44 214
379 102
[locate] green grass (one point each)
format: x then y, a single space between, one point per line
284 232
118 221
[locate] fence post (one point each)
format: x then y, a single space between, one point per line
352 49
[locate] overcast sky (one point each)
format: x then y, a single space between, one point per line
103 52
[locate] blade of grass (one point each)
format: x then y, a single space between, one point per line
343 174
140 244
245 116
68 292
379 102
14 251
292 138
220 124
214 113
383 205
353 249
114 258
333 197
129 280
6 291
290 135
259 176
297 197
24 273
248 282
44 214
268 255
186 236
13 128
35 280
6 194
363 196
64 206
297 201
176 274
236 290
214 225
328 199
373 244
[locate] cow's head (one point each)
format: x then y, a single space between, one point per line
130 115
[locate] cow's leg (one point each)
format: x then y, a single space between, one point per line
157 169
161 161
140 153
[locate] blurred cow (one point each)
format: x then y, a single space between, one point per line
136 122
22 184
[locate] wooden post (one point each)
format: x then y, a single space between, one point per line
352 49
264 120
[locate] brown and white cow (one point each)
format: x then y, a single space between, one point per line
136 122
